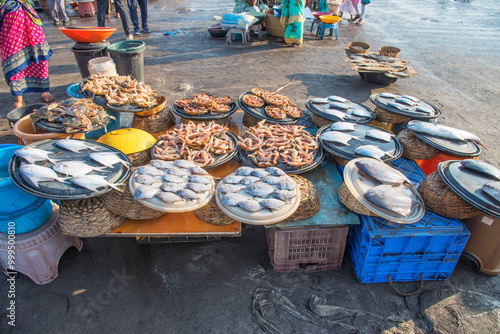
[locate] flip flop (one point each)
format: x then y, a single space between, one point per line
47 97
280 40
293 45
354 18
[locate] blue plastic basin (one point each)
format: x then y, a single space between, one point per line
73 90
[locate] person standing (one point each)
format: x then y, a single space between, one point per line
242 6
53 12
102 8
361 16
292 18
132 6
24 50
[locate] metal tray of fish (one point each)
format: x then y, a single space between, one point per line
260 113
220 159
359 184
58 127
366 115
390 103
392 149
317 159
459 148
468 185
66 190
206 117
101 100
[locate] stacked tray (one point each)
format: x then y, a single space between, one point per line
410 106
342 110
205 117
260 113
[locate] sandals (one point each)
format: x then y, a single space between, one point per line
360 22
47 97
293 45
354 18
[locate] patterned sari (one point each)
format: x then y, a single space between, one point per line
24 49
292 18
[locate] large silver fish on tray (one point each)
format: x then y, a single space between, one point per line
336 98
75 168
74 145
37 174
342 126
337 137
379 134
481 167
380 172
92 182
334 112
388 95
108 159
33 155
444 131
386 197
370 151
492 188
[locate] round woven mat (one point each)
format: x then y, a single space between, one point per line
439 198
309 202
414 148
159 122
348 199
320 121
87 218
124 204
383 115
211 214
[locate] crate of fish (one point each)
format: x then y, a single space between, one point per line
428 249
306 249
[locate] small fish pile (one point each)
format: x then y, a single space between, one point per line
121 90
198 143
72 115
256 189
267 144
275 105
378 63
406 103
341 108
177 182
200 104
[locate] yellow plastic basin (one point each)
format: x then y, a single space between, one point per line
128 140
330 19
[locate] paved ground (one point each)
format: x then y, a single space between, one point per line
117 285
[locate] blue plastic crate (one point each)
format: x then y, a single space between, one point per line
430 247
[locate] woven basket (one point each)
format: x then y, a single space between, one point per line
320 121
124 205
380 125
212 214
390 51
159 122
87 218
309 202
439 198
140 158
221 121
340 161
359 47
161 101
414 148
385 116
351 202
274 26
249 120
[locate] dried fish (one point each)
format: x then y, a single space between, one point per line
233 179
492 188
232 199
370 151
188 194
287 185
337 137
342 126
399 106
74 168
334 112
199 179
405 101
388 95
198 187
336 98
36 173
169 197
245 171
227 188
271 179
444 131
250 205
172 187
320 100
481 167
260 173
361 112
380 172
108 159
271 203
340 105
275 171
414 99
259 189
150 170
185 164
380 135
249 180
33 155
177 171
199 171
284 195
173 178
386 197
161 164
92 182
145 192
74 145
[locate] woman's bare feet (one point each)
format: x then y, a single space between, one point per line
47 97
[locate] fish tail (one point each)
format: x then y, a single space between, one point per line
115 186
61 179
480 143
93 148
54 161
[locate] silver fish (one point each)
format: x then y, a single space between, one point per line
405 101
444 131
337 137
424 110
481 167
361 112
340 105
380 171
260 189
275 171
227 188
37 174
169 197
244 171
145 192
188 194
414 99
388 95
287 185
380 135
33 155
271 179
108 159
92 182
74 168
185 164
233 179
342 126
199 179
260 173
250 205
74 145
173 178
249 179
198 170
399 106
384 196
149 170
334 112
336 98
172 187
319 100
146 179
370 151
161 164
284 195
232 199
177 171
492 188
198 187
271 203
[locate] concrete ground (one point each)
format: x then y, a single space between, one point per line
118 285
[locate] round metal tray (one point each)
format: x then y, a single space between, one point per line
393 149
381 102
206 117
60 128
220 159
260 113
318 109
66 190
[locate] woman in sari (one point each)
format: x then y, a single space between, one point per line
24 50
292 18
242 6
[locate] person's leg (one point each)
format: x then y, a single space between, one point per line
19 102
132 8
120 8
356 7
62 10
144 15
102 7
53 11
363 13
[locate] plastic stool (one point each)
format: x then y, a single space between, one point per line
85 8
315 21
38 252
259 29
244 35
323 26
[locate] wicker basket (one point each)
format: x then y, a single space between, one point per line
87 218
359 47
439 198
310 201
390 51
140 158
414 148
380 125
249 120
385 116
124 205
340 161
161 101
212 214
351 202
274 26
320 121
159 122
